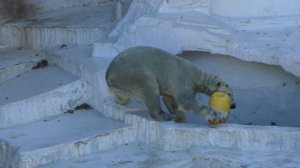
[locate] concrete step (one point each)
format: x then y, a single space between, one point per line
247 138
39 93
78 60
15 62
133 155
61 137
45 5
220 158
61 27
137 155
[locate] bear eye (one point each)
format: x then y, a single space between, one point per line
229 94
226 86
219 84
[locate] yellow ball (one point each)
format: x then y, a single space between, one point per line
220 101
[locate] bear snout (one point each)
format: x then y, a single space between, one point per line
232 106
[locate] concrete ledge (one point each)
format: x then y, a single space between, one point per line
141 155
80 25
49 91
105 49
62 137
15 62
231 136
91 70
147 130
50 103
78 148
6 151
174 136
254 8
78 61
39 37
262 25
218 157
229 145
45 5
133 155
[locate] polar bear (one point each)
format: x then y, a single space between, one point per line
147 73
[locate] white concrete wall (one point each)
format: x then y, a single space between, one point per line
264 94
255 8
137 9
175 6
223 27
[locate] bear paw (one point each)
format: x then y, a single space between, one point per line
216 117
162 116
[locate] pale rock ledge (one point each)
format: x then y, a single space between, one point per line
265 33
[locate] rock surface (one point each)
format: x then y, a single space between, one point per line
41 128
270 36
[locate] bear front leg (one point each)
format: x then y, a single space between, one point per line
214 116
172 107
151 100
206 112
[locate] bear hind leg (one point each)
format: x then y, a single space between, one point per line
122 100
173 109
121 97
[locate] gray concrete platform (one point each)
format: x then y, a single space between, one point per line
61 137
137 155
133 155
15 62
78 25
34 83
35 131
39 93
